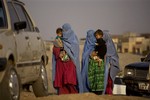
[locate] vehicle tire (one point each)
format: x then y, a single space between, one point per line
40 86
10 86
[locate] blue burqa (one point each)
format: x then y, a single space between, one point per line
112 59
88 48
71 46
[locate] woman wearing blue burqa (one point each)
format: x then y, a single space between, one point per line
89 46
66 74
111 63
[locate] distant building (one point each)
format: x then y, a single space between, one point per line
117 39
132 43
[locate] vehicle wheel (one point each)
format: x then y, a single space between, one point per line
128 91
10 86
40 86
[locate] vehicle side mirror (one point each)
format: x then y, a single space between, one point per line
37 29
20 25
142 59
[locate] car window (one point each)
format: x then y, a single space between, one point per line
13 14
24 16
3 22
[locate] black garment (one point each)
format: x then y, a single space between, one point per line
101 48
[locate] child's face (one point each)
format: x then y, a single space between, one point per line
98 36
59 34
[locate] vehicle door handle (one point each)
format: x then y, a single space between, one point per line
26 37
38 38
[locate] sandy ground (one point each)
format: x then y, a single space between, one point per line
124 60
85 96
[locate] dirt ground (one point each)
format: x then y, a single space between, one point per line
84 96
124 60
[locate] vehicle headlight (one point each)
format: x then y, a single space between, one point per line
129 72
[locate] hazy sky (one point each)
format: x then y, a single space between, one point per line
117 16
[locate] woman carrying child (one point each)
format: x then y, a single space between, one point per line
93 59
100 63
65 64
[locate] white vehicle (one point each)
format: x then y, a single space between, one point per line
119 86
22 53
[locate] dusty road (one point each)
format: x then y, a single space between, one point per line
85 96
